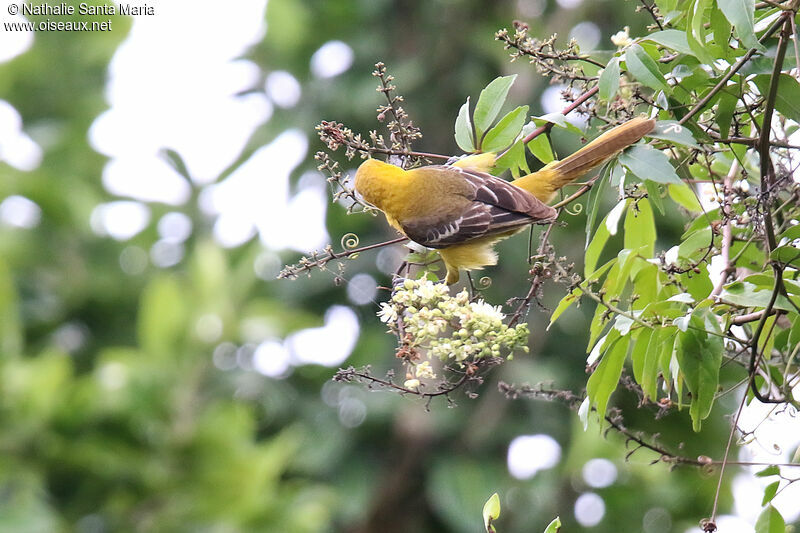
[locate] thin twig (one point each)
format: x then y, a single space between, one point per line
724 462
652 10
733 70
536 282
727 231
305 264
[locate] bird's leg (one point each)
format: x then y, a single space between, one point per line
472 289
397 282
398 279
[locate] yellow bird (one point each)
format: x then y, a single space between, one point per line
463 211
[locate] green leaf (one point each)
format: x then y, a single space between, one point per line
661 342
769 492
699 356
644 69
721 30
771 470
741 14
612 219
698 285
506 130
767 280
765 63
770 521
685 196
645 283
598 341
625 259
787 255
787 100
696 244
604 379
623 324
649 164
640 228
565 303
619 177
554 526
491 511
583 413
514 159
654 194
748 255
682 323
541 149
725 109
175 160
427 256
746 294
670 130
639 352
595 247
464 133
608 83
792 233
674 39
696 32
490 102
702 221
794 333
767 339
596 194
682 297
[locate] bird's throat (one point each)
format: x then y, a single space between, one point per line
379 183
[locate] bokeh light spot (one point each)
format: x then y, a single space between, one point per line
283 89
352 412
527 454
657 520
332 58
14 43
209 327
589 509
362 289
20 212
175 227
599 473
165 254
224 356
271 359
120 220
328 345
587 34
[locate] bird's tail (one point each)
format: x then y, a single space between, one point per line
546 182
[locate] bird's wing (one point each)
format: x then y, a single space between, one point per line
487 206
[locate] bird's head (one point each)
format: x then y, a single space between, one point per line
374 178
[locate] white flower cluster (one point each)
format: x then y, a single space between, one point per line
451 327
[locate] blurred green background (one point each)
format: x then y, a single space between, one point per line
153 374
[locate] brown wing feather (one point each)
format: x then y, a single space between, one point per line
495 207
